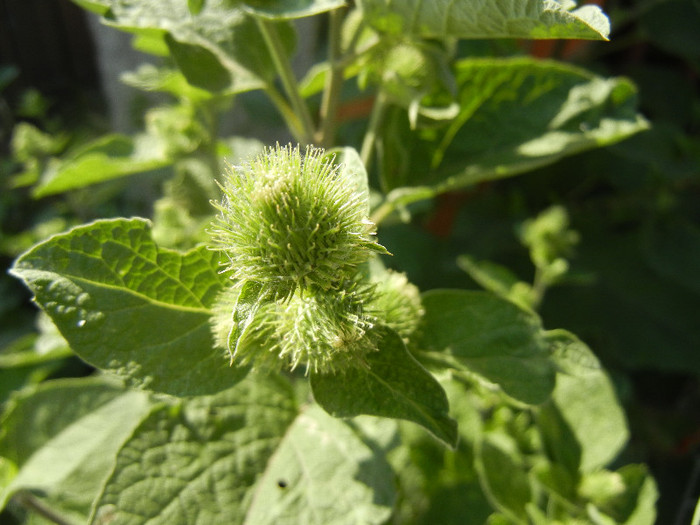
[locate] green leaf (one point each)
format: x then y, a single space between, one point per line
151 78
497 279
583 405
195 6
225 36
502 474
540 111
393 385
29 142
99 7
63 436
323 473
315 78
107 158
246 455
248 301
479 332
628 495
286 9
200 66
131 308
475 19
352 165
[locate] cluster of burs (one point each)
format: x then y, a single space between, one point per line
294 228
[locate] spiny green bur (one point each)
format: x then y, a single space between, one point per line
325 332
293 222
297 225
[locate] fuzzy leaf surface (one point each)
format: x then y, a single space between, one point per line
63 435
479 332
393 385
501 472
107 158
131 308
478 19
223 35
287 9
540 112
584 408
245 455
322 472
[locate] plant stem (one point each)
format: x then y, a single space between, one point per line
289 81
34 504
539 287
334 81
382 211
375 122
290 118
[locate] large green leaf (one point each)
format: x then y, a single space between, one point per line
516 114
283 9
479 19
107 158
149 77
323 473
502 476
131 308
224 37
62 437
246 455
393 385
583 407
482 333
537 112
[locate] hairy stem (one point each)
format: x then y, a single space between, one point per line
382 212
375 122
31 502
539 287
289 81
334 81
291 119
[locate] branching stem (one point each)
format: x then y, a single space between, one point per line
289 81
334 81
375 122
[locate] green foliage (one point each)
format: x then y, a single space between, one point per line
510 19
100 278
253 360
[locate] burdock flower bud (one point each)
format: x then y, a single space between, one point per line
397 303
293 222
322 332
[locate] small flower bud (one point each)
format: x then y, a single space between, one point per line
397 303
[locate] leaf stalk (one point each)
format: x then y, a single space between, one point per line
289 81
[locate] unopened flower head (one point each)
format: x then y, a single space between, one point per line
293 221
397 303
321 332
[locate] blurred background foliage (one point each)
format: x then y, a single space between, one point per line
632 290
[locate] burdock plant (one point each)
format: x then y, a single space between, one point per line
291 278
